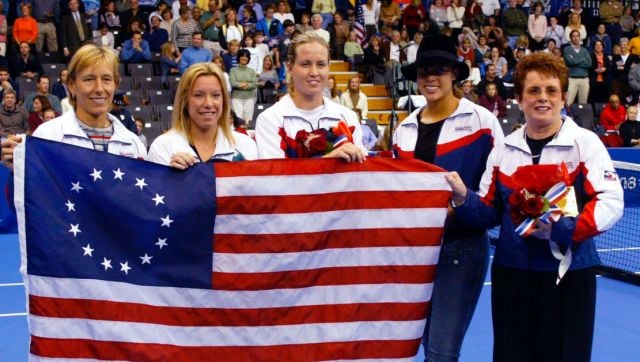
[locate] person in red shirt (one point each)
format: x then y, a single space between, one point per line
492 101
610 119
36 118
465 52
412 16
25 28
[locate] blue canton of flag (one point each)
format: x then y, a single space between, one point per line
109 222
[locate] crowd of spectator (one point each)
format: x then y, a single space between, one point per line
250 39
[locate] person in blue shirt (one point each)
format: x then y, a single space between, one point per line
120 101
601 34
156 36
195 53
251 4
169 60
230 58
135 50
59 88
270 27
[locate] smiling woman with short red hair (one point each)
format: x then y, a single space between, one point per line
543 289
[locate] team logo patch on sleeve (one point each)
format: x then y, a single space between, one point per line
610 175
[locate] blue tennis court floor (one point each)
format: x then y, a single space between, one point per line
617 333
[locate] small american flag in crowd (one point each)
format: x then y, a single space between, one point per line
358 25
267 260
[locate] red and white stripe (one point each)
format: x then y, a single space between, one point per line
361 32
313 260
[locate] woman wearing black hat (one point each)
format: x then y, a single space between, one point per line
455 134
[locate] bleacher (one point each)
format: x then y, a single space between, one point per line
379 101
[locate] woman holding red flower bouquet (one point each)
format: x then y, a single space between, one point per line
304 123
543 277
456 135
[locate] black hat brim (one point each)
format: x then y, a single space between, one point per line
434 59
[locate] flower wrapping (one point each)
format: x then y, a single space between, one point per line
318 142
541 193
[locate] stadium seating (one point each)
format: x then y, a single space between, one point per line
26 86
135 98
583 115
52 70
159 96
172 82
141 69
152 130
126 84
147 82
164 115
514 116
145 112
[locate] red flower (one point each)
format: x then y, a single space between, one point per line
533 206
538 179
532 182
302 136
317 141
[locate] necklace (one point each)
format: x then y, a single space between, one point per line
205 147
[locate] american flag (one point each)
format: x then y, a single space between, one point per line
309 259
358 26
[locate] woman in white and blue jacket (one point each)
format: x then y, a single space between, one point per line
541 313
456 135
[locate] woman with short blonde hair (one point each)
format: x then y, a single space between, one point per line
92 81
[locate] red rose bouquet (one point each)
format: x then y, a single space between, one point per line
540 194
318 142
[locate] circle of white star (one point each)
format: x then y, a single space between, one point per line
75 229
117 174
146 259
87 250
158 199
96 174
124 267
75 186
106 263
166 221
140 183
161 243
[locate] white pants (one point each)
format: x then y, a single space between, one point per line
579 87
244 108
